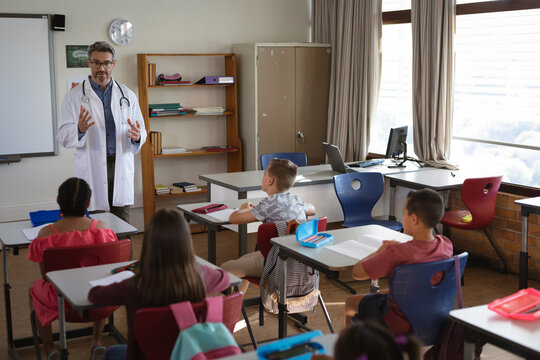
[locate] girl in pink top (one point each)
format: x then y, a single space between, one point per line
73 229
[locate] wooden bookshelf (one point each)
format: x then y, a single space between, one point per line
233 158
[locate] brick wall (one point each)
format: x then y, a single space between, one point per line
506 232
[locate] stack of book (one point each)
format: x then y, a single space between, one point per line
155 141
187 186
174 150
169 109
215 110
162 190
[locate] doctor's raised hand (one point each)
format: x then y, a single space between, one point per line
134 131
85 120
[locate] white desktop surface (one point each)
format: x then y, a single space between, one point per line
437 179
11 234
484 321
331 259
74 284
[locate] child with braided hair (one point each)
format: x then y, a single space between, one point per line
73 229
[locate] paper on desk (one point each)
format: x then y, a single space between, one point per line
222 215
118 277
33 232
352 248
364 245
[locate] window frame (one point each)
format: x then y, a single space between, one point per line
404 16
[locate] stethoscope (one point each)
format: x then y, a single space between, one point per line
123 100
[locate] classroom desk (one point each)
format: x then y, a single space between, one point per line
528 206
213 225
12 238
436 179
519 337
327 341
322 259
314 185
74 285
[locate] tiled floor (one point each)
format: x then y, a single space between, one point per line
481 286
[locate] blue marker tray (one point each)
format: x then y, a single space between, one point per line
298 347
307 235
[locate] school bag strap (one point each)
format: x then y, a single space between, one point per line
185 316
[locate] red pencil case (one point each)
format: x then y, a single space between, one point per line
209 208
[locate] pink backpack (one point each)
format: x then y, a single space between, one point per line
201 341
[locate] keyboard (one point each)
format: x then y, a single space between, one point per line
367 163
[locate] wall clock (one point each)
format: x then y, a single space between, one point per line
121 32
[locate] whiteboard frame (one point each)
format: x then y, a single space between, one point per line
52 75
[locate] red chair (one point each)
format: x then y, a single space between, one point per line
156 329
479 196
62 258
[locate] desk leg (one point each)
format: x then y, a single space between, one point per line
392 201
208 191
62 327
242 195
523 254
7 303
211 245
242 239
468 350
282 316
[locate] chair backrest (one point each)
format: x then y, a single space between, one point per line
426 306
70 257
357 194
300 159
267 231
480 196
156 329
62 258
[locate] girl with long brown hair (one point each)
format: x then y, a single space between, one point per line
168 273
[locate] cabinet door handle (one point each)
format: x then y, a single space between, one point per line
300 135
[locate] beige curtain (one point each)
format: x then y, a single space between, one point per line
433 24
354 29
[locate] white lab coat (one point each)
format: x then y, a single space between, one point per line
91 153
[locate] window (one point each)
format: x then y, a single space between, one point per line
497 85
394 107
497 94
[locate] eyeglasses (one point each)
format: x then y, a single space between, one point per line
106 64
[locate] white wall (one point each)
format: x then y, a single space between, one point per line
172 26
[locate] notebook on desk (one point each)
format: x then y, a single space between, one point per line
335 159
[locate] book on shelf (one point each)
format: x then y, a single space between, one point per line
174 150
214 110
162 189
218 148
151 74
165 105
213 80
181 82
155 140
187 186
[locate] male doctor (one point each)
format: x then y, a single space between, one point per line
101 118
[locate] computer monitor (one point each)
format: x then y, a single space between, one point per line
397 145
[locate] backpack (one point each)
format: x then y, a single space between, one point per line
201 341
302 281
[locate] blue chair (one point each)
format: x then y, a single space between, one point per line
426 306
300 159
357 194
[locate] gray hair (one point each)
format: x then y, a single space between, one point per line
100 46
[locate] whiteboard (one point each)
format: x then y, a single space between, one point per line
27 92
